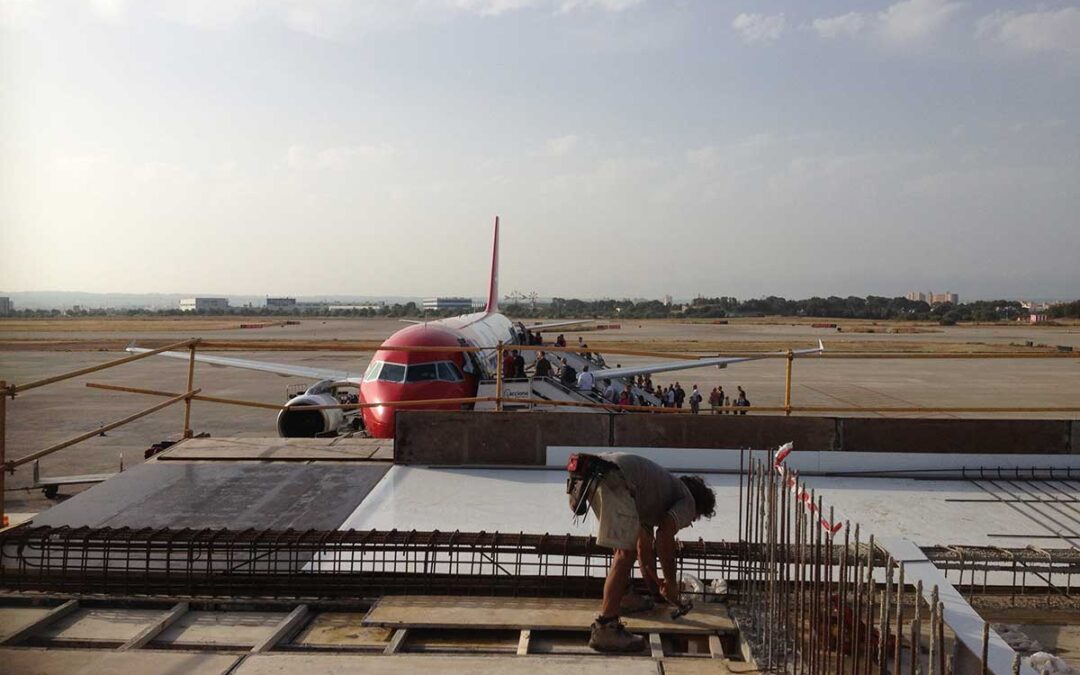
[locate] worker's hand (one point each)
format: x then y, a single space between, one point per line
671 591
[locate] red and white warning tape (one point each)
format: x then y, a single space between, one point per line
800 493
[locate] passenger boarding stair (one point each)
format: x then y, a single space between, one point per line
551 389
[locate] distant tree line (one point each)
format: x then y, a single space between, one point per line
871 307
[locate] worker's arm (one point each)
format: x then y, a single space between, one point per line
647 560
665 549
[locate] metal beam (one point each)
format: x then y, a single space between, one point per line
56 614
287 627
157 628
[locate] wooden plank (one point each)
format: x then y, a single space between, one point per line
31 628
276 663
53 661
523 642
342 629
716 648
152 631
288 626
395 642
705 667
277 449
656 647
558 614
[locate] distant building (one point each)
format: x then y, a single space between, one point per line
374 306
280 303
446 304
1038 317
5 305
932 298
942 298
203 304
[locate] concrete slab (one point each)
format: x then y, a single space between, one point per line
93 662
14 619
406 664
100 625
234 495
220 628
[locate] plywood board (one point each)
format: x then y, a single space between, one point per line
407 664
14 619
532 613
280 449
221 628
100 625
95 662
696 666
342 629
233 495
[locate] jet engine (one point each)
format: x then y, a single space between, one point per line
295 422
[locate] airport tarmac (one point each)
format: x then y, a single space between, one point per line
48 415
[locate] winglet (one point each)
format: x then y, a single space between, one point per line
493 287
821 345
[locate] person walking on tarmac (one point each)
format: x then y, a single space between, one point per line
695 400
640 506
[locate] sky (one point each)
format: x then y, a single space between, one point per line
633 148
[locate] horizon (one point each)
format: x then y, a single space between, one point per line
634 147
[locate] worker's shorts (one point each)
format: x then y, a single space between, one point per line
616 512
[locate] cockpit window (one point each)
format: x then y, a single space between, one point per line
422 372
448 371
372 372
385 371
392 372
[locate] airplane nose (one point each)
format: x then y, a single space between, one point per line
379 421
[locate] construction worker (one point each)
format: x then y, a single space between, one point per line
640 506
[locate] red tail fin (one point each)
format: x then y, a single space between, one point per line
493 287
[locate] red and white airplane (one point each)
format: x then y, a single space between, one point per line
395 375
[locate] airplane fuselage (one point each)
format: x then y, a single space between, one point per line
402 371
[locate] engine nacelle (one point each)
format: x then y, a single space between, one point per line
295 422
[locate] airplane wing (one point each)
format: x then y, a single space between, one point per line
663 367
283 369
557 324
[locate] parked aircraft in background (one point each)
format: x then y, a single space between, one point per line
401 371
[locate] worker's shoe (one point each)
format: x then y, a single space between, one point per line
632 603
612 636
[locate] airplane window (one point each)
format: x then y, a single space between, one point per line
392 372
372 371
422 372
448 371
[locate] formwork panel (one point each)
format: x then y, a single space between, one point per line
407 664
233 495
100 662
342 629
100 625
14 619
533 613
201 628
279 449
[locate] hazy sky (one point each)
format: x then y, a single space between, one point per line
632 147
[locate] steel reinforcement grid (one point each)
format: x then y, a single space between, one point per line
327 564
